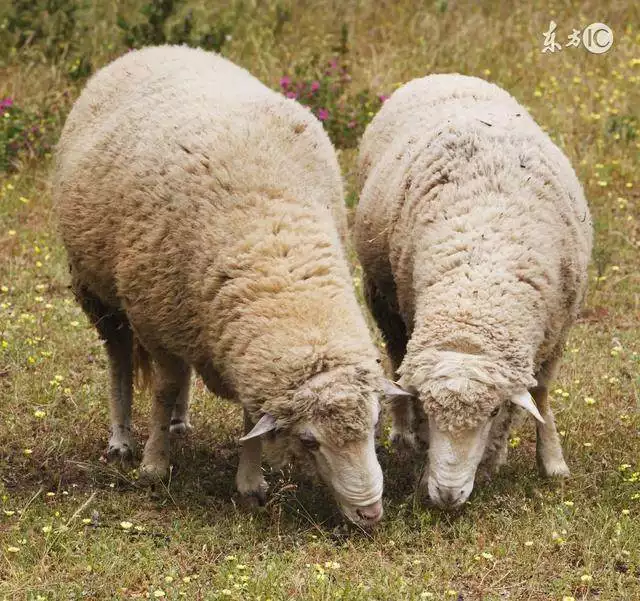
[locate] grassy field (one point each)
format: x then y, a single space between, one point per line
73 527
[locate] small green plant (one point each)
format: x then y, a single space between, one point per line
52 22
156 29
283 16
25 135
50 30
328 93
622 127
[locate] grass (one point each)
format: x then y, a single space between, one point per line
73 527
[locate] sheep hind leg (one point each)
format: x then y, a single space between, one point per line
113 327
403 414
180 423
171 378
250 480
549 454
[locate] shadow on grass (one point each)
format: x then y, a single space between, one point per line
202 486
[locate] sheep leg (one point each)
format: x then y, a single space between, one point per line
171 378
395 336
113 327
496 451
180 423
402 421
548 448
250 480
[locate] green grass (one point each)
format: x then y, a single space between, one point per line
73 527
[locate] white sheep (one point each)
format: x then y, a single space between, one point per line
474 236
201 214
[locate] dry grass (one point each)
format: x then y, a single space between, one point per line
72 527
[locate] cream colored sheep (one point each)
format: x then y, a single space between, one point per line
199 212
474 235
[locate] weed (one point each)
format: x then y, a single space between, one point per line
155 28
622 127
25 135
49 29
326 90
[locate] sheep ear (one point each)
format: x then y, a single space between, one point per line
266 423
525 400
391 389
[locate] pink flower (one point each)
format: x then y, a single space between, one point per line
323 114
291 95
285 82
382 97
5 103
315 86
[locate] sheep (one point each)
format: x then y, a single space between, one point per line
474 236
202 215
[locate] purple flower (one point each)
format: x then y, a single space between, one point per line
285 82
6 103
291 95
323 114
315 86
382 97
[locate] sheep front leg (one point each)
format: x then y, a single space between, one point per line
496 451
250 480
548 448
172 377
402 423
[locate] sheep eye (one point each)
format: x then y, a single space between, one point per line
495 412
309 441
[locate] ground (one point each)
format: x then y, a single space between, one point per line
72 526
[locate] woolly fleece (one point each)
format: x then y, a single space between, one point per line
210 209
474 229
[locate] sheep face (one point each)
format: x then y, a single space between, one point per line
333 435
351 470
455 451
463 404
454 456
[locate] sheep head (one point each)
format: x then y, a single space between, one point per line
329 427
463 396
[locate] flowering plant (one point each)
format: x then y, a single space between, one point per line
25 134
328 94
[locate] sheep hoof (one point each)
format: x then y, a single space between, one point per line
403 441
119 450
254 496
153 472
180 427
254 499
555 469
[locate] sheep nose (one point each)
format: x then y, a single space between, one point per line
371 513
449 495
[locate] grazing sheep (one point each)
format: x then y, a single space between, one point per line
474 236
201 214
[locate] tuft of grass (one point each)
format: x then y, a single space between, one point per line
74 527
